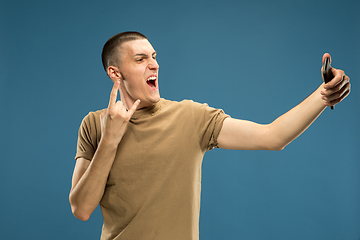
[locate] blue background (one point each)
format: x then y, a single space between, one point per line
254 59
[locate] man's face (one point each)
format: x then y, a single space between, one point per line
139 72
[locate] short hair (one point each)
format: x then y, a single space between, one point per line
110 53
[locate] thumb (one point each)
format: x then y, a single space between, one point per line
326 55
134 107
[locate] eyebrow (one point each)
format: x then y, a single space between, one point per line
144 55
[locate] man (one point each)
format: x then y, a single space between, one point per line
140 158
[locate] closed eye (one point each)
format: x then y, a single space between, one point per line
140 57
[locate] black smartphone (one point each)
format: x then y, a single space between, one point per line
328 75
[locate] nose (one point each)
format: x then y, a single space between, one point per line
153 65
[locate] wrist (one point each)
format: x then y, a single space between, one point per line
109 143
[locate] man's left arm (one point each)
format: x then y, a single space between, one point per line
246 135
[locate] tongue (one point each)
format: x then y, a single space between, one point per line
150 83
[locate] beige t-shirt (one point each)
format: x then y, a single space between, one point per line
153 189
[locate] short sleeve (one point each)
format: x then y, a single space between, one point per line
209 121
89 136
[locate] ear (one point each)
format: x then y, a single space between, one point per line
114 73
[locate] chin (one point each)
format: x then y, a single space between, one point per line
155 99
150 101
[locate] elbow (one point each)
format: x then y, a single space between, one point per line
78 212
83 216
276 146
271 148
279 148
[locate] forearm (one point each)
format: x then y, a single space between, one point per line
88 191
291 124
89 179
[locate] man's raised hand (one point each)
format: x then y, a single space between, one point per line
338 88
115 119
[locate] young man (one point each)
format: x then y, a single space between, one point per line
140 158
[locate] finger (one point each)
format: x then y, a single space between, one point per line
133 107
338 77
344 90
345 80
122 95
337 88
336 101
338 94
113 94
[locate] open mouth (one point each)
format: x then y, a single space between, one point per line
151 82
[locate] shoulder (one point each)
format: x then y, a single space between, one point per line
182 104
92 119
188 106
94 114
90 129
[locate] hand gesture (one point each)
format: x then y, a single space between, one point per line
338 88
115 119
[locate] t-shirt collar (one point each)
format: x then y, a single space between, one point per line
148 111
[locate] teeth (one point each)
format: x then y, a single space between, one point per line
151 78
